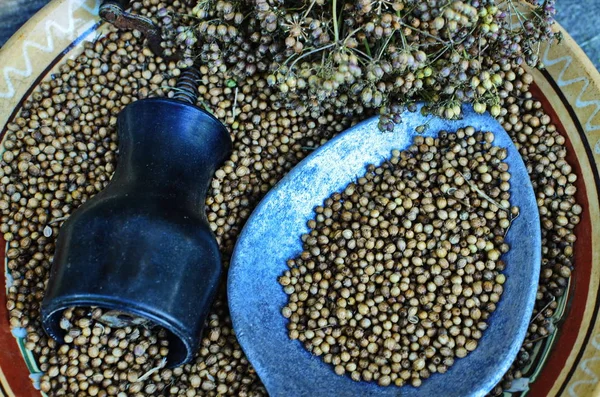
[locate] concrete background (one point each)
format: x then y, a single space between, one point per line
581 18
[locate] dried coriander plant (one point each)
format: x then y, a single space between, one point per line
352 56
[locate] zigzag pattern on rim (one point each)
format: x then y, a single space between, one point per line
29 48
585 367
579 101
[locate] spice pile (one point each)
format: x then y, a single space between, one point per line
401 270
61 149
543 150
111 355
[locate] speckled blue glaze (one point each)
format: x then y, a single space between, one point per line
272 235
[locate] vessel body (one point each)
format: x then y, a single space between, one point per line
143 245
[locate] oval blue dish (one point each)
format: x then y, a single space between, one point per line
272 236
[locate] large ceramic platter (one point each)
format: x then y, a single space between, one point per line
567 363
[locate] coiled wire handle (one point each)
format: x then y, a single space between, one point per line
186 89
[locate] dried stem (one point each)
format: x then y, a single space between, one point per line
160 366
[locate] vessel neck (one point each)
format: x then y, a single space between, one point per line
169 149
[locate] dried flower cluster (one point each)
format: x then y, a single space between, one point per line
401 270
352 56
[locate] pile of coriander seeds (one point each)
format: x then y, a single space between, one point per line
401 270
127 354
61 149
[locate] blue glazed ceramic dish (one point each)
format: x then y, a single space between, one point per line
272 235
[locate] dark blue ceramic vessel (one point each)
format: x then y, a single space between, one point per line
143 245
272 235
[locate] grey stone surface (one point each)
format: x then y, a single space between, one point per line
272 235
581 18
14 13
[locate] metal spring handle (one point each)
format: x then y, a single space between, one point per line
187 85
